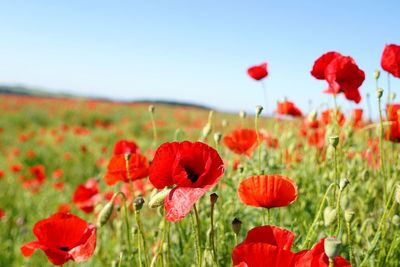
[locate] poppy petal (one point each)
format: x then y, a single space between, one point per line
180 201
272 235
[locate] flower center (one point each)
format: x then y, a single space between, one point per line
64 248
191 174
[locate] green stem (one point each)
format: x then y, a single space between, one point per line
258 142
381 154
316 218
336 172
196 228
143 239
212 235
128 228
338 213
350 244
153 123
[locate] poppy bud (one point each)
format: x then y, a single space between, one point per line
379 93
334 140
152 109
105 214
331 247
397 193
139 201
259 109
396 220
224 123
312 116
392 96
158 199
349 215
240 168
206 130
236 226
377 73
127 156
329 216
213 198
343 183
242 114
217 137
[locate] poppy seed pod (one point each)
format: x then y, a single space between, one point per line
152 109
334 140
392 96
349 215
377 73
242 114
379 93
259 109
158 199
105 213
236 225
343 183
331 247
213 198
312 116
139 201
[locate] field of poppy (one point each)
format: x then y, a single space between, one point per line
100 183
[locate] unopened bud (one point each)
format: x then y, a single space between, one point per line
377 73
396 220
213 198
259 109
397 193
105 214
224 123
329 216
312 116
158 199
127 156
331 247
334 140
392 96
206 130
242 114
349 215
236 225
152 109
379 93
139 201
217 137
343 183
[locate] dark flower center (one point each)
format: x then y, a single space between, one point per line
64 248
191 174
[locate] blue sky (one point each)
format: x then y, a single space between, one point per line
191 50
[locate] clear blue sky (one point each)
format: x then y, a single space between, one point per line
191 50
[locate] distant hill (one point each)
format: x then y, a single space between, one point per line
28 91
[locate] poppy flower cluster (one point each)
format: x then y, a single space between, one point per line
117 167
63 237
271 246
192 168
341 73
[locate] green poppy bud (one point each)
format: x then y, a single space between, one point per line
242 114
331 247
213 198
139 201
377 73
236 226
105 214
397 193
158 199
396 220
152 109
217 137
329 216
349 215
334 140
343 183
259 109
379 93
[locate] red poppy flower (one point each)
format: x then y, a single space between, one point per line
242 141
258 72
64 207
192 167
126 147
1 174
341 73
265 244
328 116
316 257
317 138
116 169
86 196
63 237
357 116
393 131
2 214
38 173
390 60
16 168
288 108
267 191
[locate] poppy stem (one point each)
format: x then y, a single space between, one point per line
331 263
128 174
338 213
350 243
153 124
258 141
141 238
316 218
336 115
128 228
381 154
336 172
197 235
212 234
